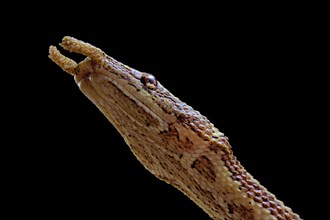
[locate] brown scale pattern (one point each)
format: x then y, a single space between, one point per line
185 113
205 167
255 191
153 158
247 213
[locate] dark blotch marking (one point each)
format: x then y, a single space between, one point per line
165 167
188 144
205 167
244 212
230 209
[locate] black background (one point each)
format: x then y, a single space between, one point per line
254 74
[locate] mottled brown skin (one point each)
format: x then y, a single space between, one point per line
173 141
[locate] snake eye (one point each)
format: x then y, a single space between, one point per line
149 81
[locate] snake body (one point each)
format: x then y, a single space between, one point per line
173 141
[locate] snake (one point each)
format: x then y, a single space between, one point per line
176 143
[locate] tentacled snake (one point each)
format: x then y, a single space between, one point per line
172 140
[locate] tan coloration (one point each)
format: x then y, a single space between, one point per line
173 141
205 167
67 64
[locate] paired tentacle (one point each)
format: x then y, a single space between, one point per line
73 45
